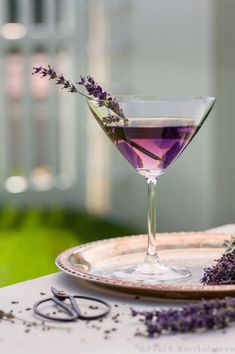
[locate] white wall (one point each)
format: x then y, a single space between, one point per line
224 139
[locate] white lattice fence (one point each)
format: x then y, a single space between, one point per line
40 139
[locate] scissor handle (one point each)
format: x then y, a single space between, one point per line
92 299
72 311
72 314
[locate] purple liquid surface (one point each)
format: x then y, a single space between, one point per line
151 150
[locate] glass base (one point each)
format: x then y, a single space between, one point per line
152 273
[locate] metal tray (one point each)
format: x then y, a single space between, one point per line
195 250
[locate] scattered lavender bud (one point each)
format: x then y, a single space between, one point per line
6 315
201 316
115 317
11 318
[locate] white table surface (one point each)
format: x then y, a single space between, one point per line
85 339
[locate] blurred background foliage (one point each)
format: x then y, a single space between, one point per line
31 239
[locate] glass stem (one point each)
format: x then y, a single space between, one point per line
151 256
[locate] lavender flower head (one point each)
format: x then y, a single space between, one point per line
223 272
93 89
59 79
196 317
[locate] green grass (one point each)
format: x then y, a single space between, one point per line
30 240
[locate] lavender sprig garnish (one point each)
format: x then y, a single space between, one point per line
199 317
94 91
223 272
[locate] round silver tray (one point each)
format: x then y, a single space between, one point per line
195 250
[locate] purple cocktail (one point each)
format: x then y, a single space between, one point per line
152 149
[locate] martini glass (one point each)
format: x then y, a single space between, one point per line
151 133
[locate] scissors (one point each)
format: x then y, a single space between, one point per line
72 309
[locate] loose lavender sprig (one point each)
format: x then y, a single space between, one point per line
198 317
223 272
94 91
